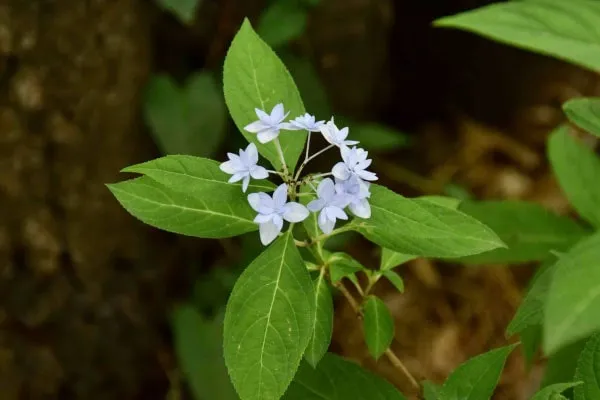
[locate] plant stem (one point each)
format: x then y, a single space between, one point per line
281 157
307 160
307 147
392 357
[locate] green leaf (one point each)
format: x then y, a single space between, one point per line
553 392
323 323
477 378
172 211
338 379
378 325
281 22
431 391
585 113
573 301
189 119
199 348
531 340
268 322
395 280
341 265
444 201
195 176
254 77
391 259
529 230
561 365
377 137
423 228
576 168
588 370
185 10
565 30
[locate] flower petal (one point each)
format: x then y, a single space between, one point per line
267 135
258 172
366 175
252 153
228 167
364 164
326 189
245 183
336 213
361 208
254 200
263 116
290 126
255 127
277 114
324 223
345 152
350 142
294 212
340 171
342 134
238 176
263 218
280 196
316 205
268 232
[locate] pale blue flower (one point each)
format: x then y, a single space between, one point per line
355 163
358 194
268 125
244 166
306 122
273 210
336 136
330 204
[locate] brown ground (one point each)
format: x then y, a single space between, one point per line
85 288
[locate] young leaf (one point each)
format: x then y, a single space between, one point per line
565 30
571 311
199 347
378 325
529 230
391 259
588 370
268 322
189 119
585 113
198 177
254 77
395 280
172 211
185 10
282 22
341 265
477 378
431 391
576 168
323 323
423 228
338 379
553 392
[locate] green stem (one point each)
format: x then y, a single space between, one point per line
281 157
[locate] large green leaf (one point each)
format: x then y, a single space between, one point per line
553 392
585 113
588 370
378 325
282 21
477 378
254 77
568 30
189 119
323 323
561 365
577 169
573 304
225 215
423 228
195 176
199 346
268 322
529 230
391 259
338 379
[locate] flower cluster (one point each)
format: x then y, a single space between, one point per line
349 187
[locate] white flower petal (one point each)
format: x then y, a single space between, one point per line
255 127
350 142
252 153
340 171
238 176
263 218
366 175
294 212
268 232
361 208
326 189
254 200
263 116
316 205
228 167
327 134
324 223
336 213
277 113
345 152
267 135
258 172
290 126
245 183
280 196
342 134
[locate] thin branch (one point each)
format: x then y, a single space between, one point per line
306 161
281 156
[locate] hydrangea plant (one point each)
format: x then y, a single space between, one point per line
279 317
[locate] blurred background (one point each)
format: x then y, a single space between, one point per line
96 305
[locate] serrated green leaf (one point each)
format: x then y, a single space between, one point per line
431 391
338 379
423 228
477 378
195 176
254 77
282 22
585 113
391 259
341 265
323 323
553 392
588 370
395 280
172 211
268 322
185 10
576 168
189 119
565 30
377 137
530 231
198 344
378 325
573 301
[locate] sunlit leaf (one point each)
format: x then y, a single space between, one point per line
585 113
